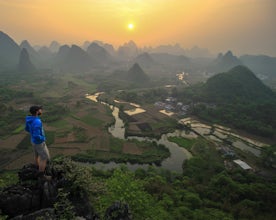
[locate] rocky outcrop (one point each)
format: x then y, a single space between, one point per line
32 198
32 195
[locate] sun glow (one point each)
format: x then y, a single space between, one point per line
130 26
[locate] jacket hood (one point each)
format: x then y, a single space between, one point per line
30 118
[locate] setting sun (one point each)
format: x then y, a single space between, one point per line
130 26
245 27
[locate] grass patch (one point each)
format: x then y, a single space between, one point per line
63 133
164 126
60 124
90 120
8 178
158 125
183 142
19 129
50 137
80 134
116 145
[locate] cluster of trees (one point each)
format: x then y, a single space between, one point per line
204 191
269 157
151 152
255 118
236 98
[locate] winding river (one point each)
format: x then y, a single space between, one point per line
178 154
173 163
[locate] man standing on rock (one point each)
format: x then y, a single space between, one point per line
35 128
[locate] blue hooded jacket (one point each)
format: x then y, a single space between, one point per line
35 128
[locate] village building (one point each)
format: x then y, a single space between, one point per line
242 164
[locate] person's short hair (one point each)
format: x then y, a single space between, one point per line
34 109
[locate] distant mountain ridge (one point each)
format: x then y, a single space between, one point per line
9 52
98 54
128 50
224 62
145 60
54 46
260 64
73 59
161 60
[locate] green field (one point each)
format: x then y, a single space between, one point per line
183 142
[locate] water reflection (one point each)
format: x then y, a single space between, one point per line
219 134
173 163
178 154
118 129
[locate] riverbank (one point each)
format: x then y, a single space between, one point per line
177 154
246 148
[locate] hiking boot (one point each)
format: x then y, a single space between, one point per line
46 178
42 177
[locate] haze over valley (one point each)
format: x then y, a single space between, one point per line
164 60
140 124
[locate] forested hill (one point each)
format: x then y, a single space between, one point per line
238 84
137 74
238 99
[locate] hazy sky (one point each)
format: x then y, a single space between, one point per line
244 26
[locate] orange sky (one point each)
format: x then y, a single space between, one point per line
244 26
